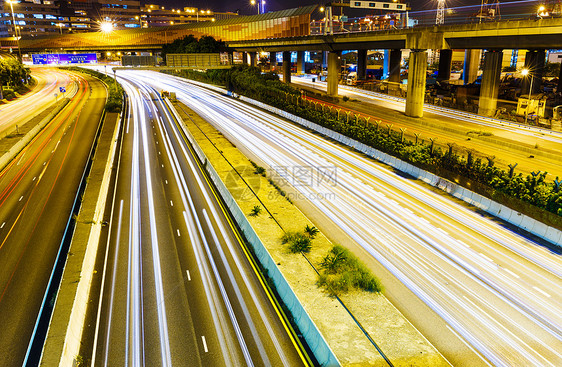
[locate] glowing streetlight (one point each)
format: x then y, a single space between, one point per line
253 2
106 27
139 19
60 27
526 72
11 2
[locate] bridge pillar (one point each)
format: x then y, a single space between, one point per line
287 67
416 83
445 62
490 82
395 59
324 59
534 62
361 64
334 69
301 66
253 56
471 63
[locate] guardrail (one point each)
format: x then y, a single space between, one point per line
314 339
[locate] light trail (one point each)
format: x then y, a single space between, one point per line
449 256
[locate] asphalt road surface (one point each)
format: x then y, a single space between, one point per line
498 294
177 288
37 190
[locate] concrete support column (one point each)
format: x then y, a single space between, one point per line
490 83
395 59
287 66
534 62
361 64
300 63
471 63
445 63
416 83
253 56
334 69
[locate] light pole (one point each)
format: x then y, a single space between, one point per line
137 17
60 28
526 72
253 2
15 27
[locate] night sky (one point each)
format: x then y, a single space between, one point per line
272 5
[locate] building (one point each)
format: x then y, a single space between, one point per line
37 17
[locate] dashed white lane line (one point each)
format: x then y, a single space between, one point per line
44 163
204 344
179 235
166 181
171 203
187 271
486 257
21 197
34 178
541 291
162 166
512 273
3 224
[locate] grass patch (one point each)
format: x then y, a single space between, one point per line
341 272
297 242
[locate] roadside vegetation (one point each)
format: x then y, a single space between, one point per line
115 98
15 76
192 45
341 272
531 194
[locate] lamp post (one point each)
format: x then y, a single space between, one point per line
253 2
137 17
526 72
11 2
60 28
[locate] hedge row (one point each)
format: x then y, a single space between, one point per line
533 188
115 99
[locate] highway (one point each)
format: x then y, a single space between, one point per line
177 288
37 191
451 126
23 109
499 293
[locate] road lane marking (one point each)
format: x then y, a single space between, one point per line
34 178
44 163
166 182
3 224
541 291
162 166
187 271
171 203
179 235
204 344
159 153
20 198
512 273
486 257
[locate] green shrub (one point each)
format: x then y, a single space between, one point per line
311 231
256 210
297 242
341 271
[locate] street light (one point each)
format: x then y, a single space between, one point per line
60 28
139 19
11 2
526 72
253 2
106 27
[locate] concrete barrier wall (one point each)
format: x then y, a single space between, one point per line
316 342
16 148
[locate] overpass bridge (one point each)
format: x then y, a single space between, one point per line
289 30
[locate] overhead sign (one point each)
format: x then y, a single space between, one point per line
48 59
